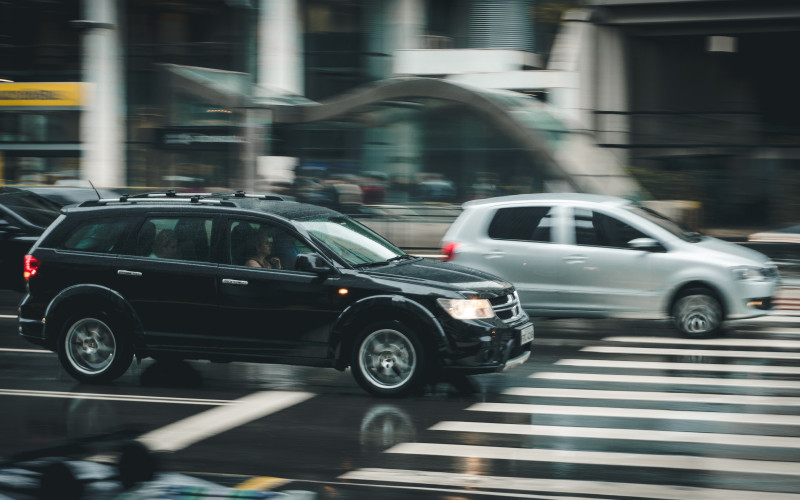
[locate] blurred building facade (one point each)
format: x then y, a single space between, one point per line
412 100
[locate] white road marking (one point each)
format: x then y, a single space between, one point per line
677 397
115 397
647 379
692 352
626 434
694 463
600 411
656 365
760 343
190 430
475 483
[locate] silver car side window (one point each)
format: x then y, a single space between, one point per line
523 224
598 229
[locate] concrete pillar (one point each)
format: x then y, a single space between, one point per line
612 90
103 117
280 46
406 20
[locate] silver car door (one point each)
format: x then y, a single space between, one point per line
521 246
607 276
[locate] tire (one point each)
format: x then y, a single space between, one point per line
93 349
697 313
388 359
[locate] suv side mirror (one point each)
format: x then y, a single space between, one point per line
312 263
647 244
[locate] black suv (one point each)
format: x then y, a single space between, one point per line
172 276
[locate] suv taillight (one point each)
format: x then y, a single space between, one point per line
31 266
449 251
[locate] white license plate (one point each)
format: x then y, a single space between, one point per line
526 335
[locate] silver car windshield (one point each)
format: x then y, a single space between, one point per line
666 223
353 242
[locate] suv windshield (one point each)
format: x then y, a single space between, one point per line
352 242
30 207
666 223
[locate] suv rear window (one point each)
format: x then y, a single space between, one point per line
99 236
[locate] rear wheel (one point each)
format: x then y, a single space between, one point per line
388 359
697 313
92 348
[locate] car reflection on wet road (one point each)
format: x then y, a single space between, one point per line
604 409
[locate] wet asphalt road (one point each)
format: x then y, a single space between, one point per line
604 409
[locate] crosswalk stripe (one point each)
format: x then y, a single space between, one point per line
728 465
478 483
601 411
773 343
675 397
691 352
625 434
648 379
195 428
657 365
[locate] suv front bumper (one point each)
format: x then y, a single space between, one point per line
491 349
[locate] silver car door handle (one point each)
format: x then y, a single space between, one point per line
494 254
123 272
575 259
227 281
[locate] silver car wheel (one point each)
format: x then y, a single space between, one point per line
90 346
387 358
697 314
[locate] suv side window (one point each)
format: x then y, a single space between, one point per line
522 223
185 238
257 244
598 229
98 236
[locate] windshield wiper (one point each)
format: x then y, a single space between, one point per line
694 237
405 256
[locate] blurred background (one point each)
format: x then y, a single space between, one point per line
407 108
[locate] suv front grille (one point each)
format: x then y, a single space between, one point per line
507 307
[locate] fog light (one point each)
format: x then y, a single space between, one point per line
755 303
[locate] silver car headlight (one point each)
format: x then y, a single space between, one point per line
749 273
467 308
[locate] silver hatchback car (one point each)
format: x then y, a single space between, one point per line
581 255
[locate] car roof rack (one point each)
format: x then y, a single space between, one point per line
171 195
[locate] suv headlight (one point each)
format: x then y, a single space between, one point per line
749 273
467 308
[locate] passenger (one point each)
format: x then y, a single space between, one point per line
261 254
166 245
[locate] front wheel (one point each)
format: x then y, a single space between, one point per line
93 350
388 359
697 313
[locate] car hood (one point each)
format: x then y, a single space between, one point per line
444 275
730 251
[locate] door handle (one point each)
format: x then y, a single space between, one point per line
494 254
575 259
227 281
123 272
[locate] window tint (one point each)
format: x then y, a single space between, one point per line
103 236
185 238
262 245
598 229
522 223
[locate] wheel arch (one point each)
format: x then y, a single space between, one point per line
378 308
714 290
88 296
